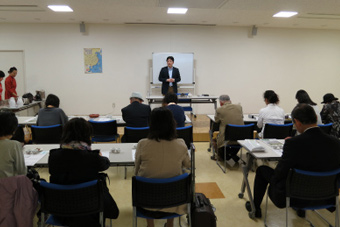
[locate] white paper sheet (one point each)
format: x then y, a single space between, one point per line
106 154
32 159
133 154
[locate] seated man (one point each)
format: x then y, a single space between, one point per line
228 113
330 113
312 150
136 114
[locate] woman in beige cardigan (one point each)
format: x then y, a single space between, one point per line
162 155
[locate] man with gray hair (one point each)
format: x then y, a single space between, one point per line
136 114
228 113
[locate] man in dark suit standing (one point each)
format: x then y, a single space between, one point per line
312 150
136 114
169 76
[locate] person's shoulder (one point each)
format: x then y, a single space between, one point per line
11 143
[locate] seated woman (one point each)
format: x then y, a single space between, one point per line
272 113
52 114
170 101
303 97
161 155
12 160
75 162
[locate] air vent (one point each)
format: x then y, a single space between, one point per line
193 4
320 16
21 8
136 23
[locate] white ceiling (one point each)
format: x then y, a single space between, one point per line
317 14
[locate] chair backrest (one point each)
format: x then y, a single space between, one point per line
238 132
46 134
161 193
314 186
72 200
104 128
134 134
277 131
186 134
326 128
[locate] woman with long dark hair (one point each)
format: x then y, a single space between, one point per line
303 97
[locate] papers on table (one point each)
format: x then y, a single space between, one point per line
133 154
31 120
106 154
253 146
276 145
32 159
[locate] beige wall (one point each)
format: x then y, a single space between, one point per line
226 61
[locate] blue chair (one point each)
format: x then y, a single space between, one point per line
326 128
104 131
46 134
234 133
186 134
160 193
71 201
318 190
134 134
277 131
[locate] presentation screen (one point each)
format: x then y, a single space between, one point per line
183 61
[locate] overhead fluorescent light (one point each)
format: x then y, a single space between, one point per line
177 10
60 8
285 14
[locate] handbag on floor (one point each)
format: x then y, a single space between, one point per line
203 212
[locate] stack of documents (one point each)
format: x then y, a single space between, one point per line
253 146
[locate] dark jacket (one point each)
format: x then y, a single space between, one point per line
68 166
178 113
164 75
136 114
313 150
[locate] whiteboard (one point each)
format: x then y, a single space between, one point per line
183 61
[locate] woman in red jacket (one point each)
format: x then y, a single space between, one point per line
11 84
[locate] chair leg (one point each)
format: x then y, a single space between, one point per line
265 212
42 219
101 219
189 215
287 206
337 224
134 224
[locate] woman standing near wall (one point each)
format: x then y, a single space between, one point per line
2 75
11 84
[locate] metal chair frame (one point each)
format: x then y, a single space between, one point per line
276 131
154 193
234 133
310 186
72 200
104 131
46 134
186 134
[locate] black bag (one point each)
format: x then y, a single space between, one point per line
203 212
29 96
110 207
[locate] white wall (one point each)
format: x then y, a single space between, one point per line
227 61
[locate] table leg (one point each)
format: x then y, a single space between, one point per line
245 184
